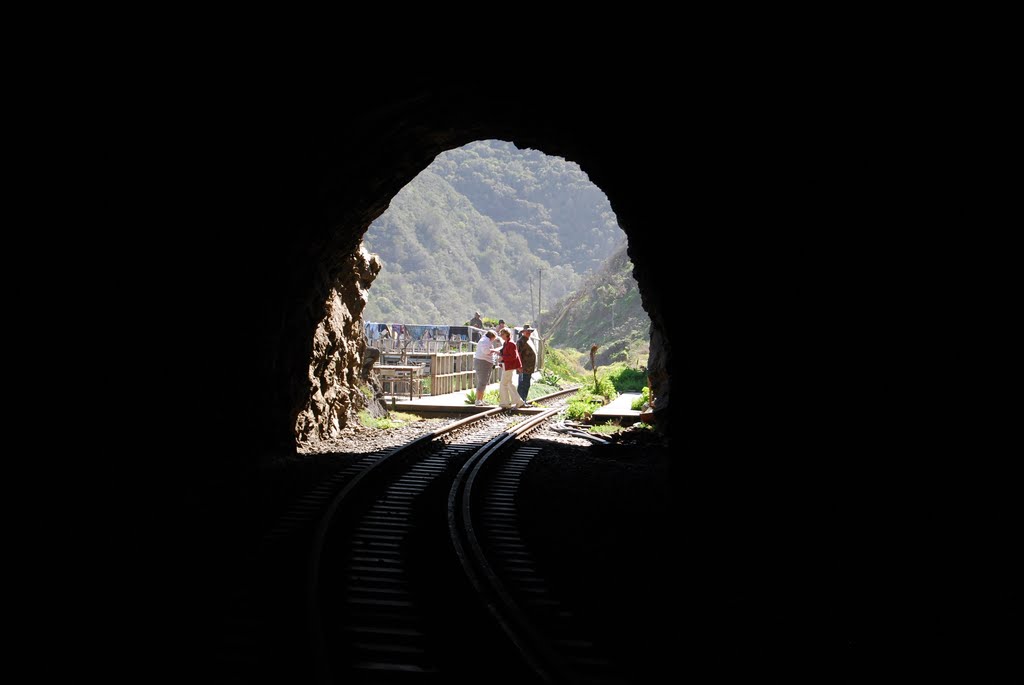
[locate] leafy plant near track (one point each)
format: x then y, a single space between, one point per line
490 397
605 388
550 378
583 405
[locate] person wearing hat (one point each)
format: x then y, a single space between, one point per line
475 322
483 362
528 358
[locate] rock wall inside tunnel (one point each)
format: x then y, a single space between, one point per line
337 356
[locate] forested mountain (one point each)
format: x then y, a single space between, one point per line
606 310
481 229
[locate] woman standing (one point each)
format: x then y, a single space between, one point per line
507 395
483 362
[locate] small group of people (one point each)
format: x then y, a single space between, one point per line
496 347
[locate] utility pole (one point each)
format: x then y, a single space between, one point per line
532 307
540 274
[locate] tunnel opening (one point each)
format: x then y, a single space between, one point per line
336 176
485 227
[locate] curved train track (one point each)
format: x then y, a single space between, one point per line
415 570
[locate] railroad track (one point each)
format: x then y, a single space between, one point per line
404 542
482 520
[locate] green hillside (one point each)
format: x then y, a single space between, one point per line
482 229
606 311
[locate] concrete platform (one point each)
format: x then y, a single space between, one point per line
619 410
439 405
452 403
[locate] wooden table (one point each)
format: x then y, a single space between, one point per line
398 373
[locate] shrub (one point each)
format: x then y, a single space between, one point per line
627 379
642 401
605 388
581 411
582 405
549 378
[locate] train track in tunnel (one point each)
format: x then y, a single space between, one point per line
484 529
381 554
383 575
270 638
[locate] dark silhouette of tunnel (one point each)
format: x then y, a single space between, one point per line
755 237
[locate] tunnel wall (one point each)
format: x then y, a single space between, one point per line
320 191
779 282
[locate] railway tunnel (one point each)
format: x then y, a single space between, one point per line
742 252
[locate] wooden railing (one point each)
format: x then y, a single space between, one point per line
452 372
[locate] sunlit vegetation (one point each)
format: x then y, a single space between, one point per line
393 420
484 215
605 310
563 365
604 388
490 397
607 429
582 405
642 401
625 378
539 389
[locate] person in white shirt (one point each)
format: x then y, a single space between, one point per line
483 362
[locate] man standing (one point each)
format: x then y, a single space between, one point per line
528 356
475 322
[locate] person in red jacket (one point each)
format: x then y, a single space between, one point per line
507 395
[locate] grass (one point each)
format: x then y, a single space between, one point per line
538 389
564 364
625 378
490 397
606 429
394 420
